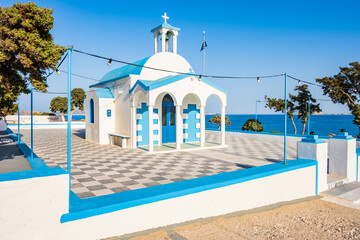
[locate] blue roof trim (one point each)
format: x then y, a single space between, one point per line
150 85
104 93
165 25
343 135
122 72
214 85
312 139
83 208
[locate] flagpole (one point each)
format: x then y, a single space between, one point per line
203 71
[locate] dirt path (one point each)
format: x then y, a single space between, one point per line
314 219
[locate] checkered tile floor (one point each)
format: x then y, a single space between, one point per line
104 169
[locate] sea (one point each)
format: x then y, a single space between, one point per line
321 124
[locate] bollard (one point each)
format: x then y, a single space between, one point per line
342 156
316 149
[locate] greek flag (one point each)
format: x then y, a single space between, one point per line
203 46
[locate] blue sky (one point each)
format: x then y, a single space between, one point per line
306 39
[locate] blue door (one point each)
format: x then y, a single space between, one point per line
168 120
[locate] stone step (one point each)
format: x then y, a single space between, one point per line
335 181
349 192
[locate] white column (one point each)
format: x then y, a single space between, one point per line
316 149
342 156
202 126
179 129
151 132
155 42
174 46
163 41
222 125
134 127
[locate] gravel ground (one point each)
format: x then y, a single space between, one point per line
316 219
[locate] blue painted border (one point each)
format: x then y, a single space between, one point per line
36 162
357 163
83 208
40 169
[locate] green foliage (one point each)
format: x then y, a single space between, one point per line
274 132
27 51
217 120
59 104
249 125
344 88
78 96
301 101
298 104
279 106
43 114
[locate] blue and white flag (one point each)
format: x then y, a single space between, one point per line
203 46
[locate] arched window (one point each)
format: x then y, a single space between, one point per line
91 111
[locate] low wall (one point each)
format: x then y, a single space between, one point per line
47 125
31 208
273 137
26 119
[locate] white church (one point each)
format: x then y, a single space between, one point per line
154 101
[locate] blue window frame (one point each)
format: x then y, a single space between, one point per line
91 111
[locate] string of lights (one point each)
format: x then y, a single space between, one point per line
57 68
110 60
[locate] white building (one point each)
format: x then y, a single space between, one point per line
148 106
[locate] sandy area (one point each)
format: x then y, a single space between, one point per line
314 219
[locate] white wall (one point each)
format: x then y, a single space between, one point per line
342 158
31 209
26 119
92 129
103 125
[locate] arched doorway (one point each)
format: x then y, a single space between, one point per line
168 120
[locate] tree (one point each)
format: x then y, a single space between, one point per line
27 51
59 104
344 88
279 105
78 96
301 101
249 125
217 120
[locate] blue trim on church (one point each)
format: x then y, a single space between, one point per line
144 122
191 122
150 85
165 25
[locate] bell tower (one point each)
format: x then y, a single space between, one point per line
166 35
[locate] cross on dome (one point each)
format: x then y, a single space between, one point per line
165 17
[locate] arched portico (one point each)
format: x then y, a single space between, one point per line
222 114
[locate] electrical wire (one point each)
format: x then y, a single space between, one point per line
82 76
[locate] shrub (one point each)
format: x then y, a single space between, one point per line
249 125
